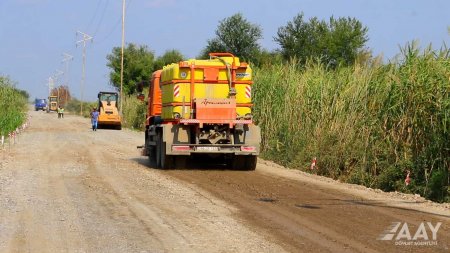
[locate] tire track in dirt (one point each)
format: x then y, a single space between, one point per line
308 218
67 188
35 214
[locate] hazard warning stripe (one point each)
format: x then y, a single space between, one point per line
248 92
176 90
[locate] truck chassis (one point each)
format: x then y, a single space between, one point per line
169 145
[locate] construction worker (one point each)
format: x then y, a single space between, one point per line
93 109
59 112
62 112
94 119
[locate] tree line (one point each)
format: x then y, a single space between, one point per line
338 41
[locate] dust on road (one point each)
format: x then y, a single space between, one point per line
65 188
68 189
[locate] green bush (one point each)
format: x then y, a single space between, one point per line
13 104
134 112
74 107
438 187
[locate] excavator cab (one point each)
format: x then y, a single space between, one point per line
108 110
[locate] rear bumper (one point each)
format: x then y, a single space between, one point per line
182 149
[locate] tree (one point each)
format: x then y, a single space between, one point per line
138 65
63 94
24 93
170 56
213 45
339 41
235 35
267 58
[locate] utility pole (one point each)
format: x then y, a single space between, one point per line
66 58
56 77
83 41
57 74
121 59
50 86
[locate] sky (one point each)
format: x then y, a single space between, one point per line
34 34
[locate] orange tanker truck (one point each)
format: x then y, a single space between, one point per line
201 107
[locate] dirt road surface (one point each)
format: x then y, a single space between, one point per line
65 188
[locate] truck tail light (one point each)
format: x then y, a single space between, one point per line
248 148
181 148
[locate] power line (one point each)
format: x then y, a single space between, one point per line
99 41
66 59
57 74
93 16
101 17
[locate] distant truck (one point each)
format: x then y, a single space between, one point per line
40 104
201 107
53 103
108 110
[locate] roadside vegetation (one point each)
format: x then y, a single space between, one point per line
366 124
74 106
13 104
134 112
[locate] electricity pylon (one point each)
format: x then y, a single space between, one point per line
83 41
66 60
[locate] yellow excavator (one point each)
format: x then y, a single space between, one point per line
108 110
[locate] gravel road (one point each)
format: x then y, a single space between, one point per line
65 188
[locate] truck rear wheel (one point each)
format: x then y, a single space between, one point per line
158 150
250 162
181 161
167 161
150 150
244 162
163 160
151 156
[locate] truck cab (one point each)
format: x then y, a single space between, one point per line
40 104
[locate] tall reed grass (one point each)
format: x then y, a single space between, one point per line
134 112
365 124
13 106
